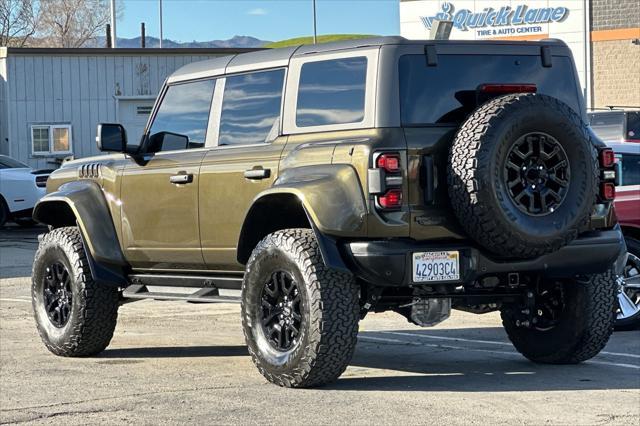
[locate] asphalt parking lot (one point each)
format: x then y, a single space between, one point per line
174 362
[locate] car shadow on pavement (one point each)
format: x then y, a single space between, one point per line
176 352
472 360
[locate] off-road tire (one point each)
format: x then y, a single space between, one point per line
330 311
477 189
94 310
584 327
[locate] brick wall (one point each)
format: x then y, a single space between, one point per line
612 14
616 73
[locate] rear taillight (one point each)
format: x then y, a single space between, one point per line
507 88
389 162
385 180
607 191
41 181
392 199
607 158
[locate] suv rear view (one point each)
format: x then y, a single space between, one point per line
330 181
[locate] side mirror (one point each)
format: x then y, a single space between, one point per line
111 137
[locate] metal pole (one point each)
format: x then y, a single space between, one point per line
315 34
114 40
160 4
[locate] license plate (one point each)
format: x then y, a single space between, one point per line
436 266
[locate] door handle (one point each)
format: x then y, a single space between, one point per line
257 173
181 178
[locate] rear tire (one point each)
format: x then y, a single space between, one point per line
583 327
286 268
75 316
523 175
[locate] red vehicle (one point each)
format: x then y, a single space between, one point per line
627 206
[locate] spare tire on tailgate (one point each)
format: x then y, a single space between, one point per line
523 175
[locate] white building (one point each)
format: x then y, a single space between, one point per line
51 100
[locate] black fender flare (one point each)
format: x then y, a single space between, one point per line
82 203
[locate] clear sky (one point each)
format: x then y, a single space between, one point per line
202 20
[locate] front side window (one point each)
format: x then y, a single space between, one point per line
332 92
251 108
51 139
182 118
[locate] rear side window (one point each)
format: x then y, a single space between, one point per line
608 126
332 92
630 170
633 126
182 118
446 93
251 108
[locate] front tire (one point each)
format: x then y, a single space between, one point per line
300 318
580 327
75 316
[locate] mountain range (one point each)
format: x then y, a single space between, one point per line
235 41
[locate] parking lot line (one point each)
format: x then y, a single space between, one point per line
7 299
404 342
489 342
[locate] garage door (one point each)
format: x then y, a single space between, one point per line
133 115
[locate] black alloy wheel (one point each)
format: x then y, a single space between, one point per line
57 294
537 174
281 317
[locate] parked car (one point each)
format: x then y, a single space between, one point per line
20 189
627 207
616 124
390 175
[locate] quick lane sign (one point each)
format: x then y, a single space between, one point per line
505 20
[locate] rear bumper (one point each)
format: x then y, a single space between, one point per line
389 262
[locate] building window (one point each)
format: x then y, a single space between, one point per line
47 139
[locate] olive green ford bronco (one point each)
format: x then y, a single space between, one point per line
329 181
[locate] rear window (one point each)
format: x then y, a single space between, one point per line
446 93
633 126
608 126
10 163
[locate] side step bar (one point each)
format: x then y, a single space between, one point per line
229 282
204 295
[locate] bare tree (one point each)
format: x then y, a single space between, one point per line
18 22
72 23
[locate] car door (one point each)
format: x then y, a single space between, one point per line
159 192
243 163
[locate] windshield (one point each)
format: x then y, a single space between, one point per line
10 163
446 93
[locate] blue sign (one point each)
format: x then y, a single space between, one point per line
464 19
